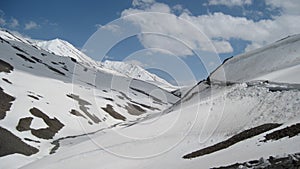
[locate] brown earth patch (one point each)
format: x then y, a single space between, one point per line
11 144
134 109
46 133
5 103
24 124
292 161
25 58
5 67
233 140
289 131
6 80
82 106
109 109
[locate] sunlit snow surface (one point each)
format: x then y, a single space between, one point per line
208 113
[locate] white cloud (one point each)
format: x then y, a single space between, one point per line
2 21
172 33
222 46
98 26
155 7
170 44
180 9
14 23
215 26
287 6
111 27
219 25
142 3
230 3
252 46
31 25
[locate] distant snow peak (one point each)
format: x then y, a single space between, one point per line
63 48
135 71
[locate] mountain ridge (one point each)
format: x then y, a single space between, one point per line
64 48
60 113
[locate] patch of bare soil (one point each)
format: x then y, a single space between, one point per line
54 125
7 81
109 109
5 103
156 100
233 140
82 106
24 124
289 131
55 70
32 96
5 67
134 109
146 106
11 144
25 58
19 49
292 161
78 114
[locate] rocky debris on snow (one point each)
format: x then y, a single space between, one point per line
292 161
5 67
109 109
289 131
233 140
83 107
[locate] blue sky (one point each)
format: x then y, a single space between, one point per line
232 27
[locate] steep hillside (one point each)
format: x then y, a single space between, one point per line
46 97
135 71
59 113
278 62
63 48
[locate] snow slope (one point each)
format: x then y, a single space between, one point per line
164 142
56 97
136 72
63 48
168 131
276 62
208 114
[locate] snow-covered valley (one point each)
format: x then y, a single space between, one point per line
60 109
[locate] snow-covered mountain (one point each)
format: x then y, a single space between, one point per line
136 72
278 62
63 48
60 113
46 97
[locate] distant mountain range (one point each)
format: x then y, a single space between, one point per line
61 109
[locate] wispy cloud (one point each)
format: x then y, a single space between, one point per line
216 25
230 3
31 25
142 3
14 23
111 27
2 21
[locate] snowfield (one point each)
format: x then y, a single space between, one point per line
71 112
277 62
